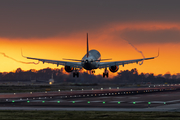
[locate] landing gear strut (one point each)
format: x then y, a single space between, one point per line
76 73
105 74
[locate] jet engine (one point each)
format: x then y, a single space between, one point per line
114 68
69 68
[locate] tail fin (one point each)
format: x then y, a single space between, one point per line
87 55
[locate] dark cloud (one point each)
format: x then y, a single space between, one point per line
47 18
158 36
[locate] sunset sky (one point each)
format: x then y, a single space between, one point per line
56 29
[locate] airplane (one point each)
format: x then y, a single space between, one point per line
90 61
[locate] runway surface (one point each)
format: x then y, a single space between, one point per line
152 98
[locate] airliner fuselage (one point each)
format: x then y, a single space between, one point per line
92 61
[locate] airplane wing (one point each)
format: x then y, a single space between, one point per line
57 62
108 64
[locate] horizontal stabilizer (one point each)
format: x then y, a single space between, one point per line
72 59
105 59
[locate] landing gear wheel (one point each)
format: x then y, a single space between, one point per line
76 74
105 75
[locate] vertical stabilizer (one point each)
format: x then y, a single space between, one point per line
87 47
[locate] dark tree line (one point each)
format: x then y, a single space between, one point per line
59 75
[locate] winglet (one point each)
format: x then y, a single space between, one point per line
22 54
87 47
158 53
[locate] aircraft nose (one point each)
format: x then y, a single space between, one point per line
86 61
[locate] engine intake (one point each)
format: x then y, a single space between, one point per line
69 68
114 68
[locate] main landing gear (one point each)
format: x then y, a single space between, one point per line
105 74
93 71
76 73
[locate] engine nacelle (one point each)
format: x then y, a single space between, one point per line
114 68
69 68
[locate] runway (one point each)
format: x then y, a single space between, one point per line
151 98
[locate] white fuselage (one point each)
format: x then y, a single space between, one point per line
92 61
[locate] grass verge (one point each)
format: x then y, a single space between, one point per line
87 115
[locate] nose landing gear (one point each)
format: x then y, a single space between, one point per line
105 74
76 73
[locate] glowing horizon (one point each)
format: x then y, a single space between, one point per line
107 40
46 48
